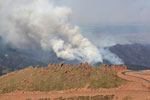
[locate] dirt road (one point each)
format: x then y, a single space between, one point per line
142 78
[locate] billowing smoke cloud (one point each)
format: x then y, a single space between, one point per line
112 58
38 23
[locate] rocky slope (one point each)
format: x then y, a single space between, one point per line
136 56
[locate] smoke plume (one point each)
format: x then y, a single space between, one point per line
38 23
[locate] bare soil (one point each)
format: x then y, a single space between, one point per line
135 89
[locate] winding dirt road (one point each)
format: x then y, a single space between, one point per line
135 89
126 73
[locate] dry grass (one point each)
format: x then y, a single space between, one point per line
98 97
58 78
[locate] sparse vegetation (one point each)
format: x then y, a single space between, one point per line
127 98
59 78
44 99
97 97
28 99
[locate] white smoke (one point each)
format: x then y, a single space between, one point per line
29 23
112 58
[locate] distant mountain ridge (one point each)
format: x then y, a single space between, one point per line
136 56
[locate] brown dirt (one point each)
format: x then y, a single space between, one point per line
135 89
145 74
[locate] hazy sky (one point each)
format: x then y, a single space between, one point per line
130 19
118 21
109 11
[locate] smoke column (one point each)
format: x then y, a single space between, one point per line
38 23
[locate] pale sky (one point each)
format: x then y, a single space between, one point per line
110 21
130 19
108 11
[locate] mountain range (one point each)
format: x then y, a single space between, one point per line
136 56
